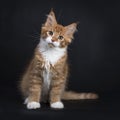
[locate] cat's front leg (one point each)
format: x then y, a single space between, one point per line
33 100
57 87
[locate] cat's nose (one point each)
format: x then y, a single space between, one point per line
53 40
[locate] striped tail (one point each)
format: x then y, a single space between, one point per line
70 95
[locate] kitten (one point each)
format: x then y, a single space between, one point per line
45 77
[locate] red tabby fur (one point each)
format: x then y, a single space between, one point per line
46 76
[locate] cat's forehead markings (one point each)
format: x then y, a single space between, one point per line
59 28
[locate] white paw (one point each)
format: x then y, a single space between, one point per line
33 105
57 105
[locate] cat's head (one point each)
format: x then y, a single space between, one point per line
56 35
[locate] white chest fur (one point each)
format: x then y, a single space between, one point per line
50 56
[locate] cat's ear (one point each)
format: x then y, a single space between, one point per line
71 29
51 19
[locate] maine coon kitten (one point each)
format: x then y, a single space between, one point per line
45 77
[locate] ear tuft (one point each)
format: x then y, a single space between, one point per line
71 29
51 19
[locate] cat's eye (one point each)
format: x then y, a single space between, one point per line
60 37
50 33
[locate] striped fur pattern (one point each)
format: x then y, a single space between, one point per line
46 76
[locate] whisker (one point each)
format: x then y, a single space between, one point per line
43 51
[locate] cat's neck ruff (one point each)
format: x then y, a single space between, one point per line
51 55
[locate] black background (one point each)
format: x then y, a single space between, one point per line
94 54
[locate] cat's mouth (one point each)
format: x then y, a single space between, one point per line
51 45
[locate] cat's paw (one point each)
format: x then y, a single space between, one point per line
57 105
33 105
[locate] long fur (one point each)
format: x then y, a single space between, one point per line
46 76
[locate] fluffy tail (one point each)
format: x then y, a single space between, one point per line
69 95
